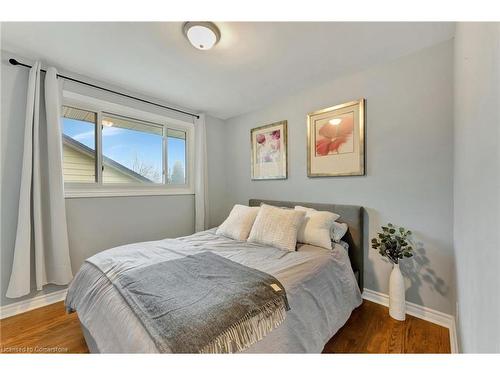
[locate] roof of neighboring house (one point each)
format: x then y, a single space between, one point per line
108 162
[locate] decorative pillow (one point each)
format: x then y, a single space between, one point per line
239 222
316 227
276 227
308 209
338 231
345 245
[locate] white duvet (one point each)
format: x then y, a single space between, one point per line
320 285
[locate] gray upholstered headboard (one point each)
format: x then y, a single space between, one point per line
351 215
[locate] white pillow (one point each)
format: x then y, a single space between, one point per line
316 227
309 209
338 231
276 227
239 222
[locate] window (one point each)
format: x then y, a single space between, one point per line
132 151
78 133
114 150
176 151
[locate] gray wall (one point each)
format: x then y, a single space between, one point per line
409 163
94 224
217 155
476 185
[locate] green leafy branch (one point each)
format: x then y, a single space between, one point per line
393 242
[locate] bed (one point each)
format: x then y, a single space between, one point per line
322 287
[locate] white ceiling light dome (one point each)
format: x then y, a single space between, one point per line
202 35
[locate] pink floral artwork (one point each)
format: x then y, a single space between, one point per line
268 146
335 135
335 140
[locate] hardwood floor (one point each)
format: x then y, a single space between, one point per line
45 330
369 330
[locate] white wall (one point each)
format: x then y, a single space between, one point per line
409 149
476 185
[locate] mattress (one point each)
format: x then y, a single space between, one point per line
321 288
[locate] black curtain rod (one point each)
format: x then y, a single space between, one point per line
15 62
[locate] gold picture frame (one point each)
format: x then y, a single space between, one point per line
336 140
269 151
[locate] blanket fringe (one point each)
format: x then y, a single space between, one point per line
253 327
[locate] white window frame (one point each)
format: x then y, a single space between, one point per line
100 189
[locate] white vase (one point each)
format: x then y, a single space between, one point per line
397 303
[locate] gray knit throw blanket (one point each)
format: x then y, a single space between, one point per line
204 303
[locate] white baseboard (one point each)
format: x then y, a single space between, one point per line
32 303
430 315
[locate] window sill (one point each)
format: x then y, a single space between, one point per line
126 192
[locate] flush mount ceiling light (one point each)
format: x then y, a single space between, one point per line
202 35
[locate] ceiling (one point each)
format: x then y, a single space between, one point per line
253 64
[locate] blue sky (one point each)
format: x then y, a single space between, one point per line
123 145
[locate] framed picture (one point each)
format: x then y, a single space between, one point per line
335 141
269 153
